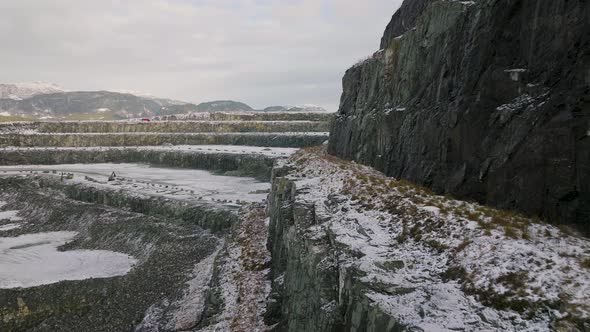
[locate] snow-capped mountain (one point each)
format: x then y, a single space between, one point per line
50 101
19 91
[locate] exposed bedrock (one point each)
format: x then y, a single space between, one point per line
310 291
19 126
184 126
256 166
208 215
486 100
152 139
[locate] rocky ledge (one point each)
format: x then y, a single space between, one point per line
291 140
353 250
168 126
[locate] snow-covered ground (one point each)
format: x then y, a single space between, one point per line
9 219
174 183
243 280
33 259
443 264
8 227
231 149
9 215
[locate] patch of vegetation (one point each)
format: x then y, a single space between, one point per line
454 272
505 301
391 265
403 236
463 245
416 232
10 118
473 215
110 115
565 230
96 116
510 232
438 246
514 280
525 233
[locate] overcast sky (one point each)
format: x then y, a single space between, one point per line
262 52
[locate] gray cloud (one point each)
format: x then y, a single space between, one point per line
262 52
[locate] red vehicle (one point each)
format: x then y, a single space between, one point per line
145 120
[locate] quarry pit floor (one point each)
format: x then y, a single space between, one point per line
175 183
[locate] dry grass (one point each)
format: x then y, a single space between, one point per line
463 245
4 118
371 190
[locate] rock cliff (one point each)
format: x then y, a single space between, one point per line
486 100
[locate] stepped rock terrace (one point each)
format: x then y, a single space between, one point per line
147 139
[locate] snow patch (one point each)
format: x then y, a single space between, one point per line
9 227
33 259
19 91
9 215
515 73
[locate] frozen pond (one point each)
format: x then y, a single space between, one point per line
33 259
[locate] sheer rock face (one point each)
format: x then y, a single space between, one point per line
312 290
403 20
486 100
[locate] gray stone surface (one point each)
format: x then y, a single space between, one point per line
310 291
183 126
403 20
486 100
294 140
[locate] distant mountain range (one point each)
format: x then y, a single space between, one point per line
223 106
235 106
19 91
46 101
